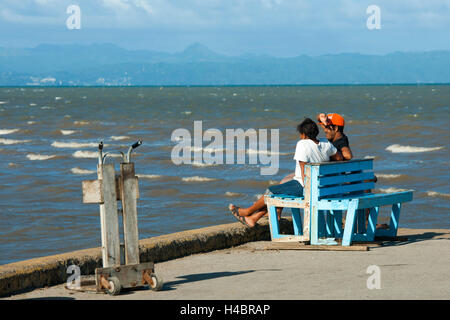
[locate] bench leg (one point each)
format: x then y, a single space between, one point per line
337 215
321 223
273 223
361 218
393 225
372 223
350 223
329 224
297 221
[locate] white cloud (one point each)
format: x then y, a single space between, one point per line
231 14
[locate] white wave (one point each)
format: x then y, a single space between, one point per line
370 157
268 152
117 138
12 141
437 194
3 102
80 123
232 194
149 176
396 148
33 104
209 150
91 154
388 176
202 164
85 154
197 179
67 132
39 157
187 112
8 131
393 190
58 98
46 108
31 122
74 145
82 171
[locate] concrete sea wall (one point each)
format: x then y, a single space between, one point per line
47 271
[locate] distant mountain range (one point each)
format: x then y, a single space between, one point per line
108 64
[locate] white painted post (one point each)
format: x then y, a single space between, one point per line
108 216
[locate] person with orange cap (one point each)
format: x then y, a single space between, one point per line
333 126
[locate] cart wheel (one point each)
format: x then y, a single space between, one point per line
115 286
157 283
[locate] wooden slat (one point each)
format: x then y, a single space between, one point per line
383 199
342 189
351 177
92 191
119 188
130 226
290 238
338 167
108 217
285 203
301 246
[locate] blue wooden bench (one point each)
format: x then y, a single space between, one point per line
330 189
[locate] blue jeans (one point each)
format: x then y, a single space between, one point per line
290 188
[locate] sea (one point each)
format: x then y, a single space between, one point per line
49 144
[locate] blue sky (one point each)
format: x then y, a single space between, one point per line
275 27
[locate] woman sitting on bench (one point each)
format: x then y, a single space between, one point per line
308 149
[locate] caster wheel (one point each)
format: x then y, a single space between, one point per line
157 283
114 285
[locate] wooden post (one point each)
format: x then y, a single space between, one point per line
108 216
128 190
307 197
315 222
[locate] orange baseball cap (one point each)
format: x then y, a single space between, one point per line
336 119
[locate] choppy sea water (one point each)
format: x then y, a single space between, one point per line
49 137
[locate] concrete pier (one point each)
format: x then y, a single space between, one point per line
230 262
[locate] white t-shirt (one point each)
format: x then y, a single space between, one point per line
308 151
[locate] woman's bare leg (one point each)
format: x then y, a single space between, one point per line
257 206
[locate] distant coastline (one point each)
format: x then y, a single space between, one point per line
197 65
235 85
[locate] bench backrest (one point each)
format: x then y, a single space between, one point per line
339 179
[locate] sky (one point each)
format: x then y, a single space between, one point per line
282 28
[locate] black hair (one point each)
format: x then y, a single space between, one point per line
309 128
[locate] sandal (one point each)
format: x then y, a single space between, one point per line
235 213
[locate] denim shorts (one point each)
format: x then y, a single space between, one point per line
290 188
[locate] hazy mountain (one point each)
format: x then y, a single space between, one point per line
108 64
